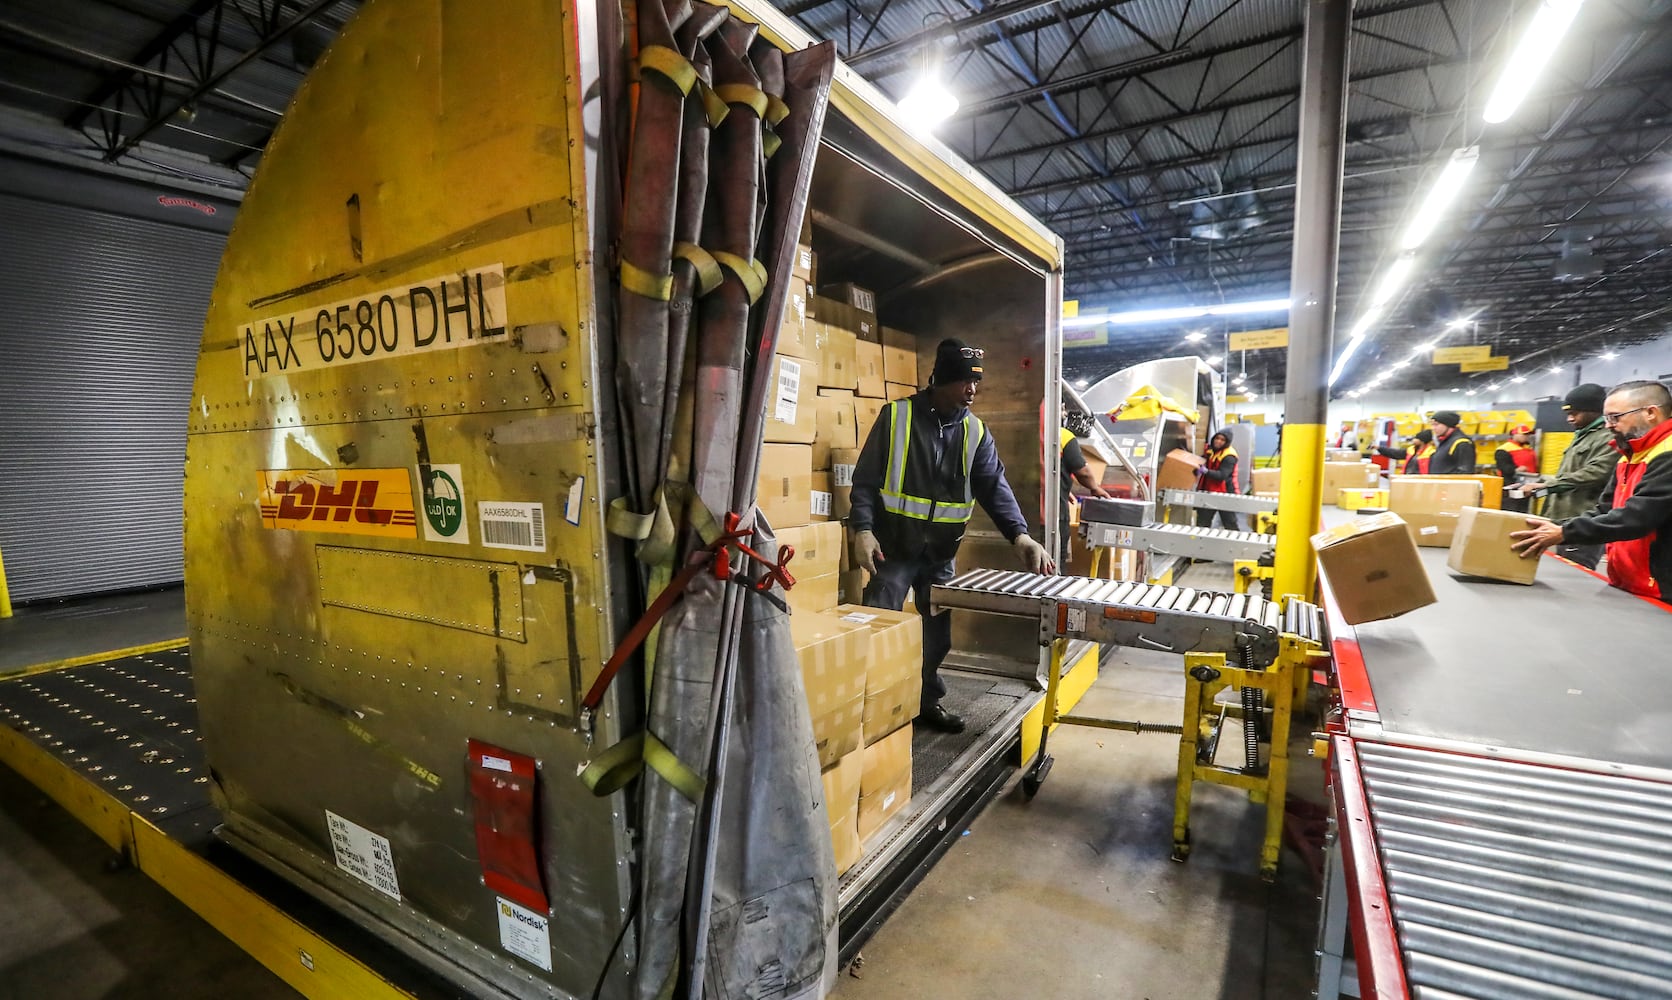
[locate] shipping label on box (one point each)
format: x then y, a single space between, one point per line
835 426
792 414
899 359
820 503
868 369
1373 568
851 308
832 659
792 334
783 491
1481 546
805 264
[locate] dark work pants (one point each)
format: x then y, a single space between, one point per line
1585 555
888 588
1227 518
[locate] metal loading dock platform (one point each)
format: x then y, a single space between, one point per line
1503 789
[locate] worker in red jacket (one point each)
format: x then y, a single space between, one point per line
1218 475
1634 516
1513 457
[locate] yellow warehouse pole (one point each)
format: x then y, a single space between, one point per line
5 591
1322 148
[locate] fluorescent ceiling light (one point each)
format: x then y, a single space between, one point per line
928 102
1492 388
1139 317
1531 55
1518 380
1216 359
1555 369
1439 197
1347 355
1401 364
1471 392
1081 383
1392 283
1455 389
1458 323
1609 355
1195 336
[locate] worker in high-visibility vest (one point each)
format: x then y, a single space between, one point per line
1218 474
1074 469
1514 457
1415 455
926 464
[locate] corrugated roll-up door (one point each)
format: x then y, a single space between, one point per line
99 336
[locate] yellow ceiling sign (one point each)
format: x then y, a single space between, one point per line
1461 355
1488 364
1070 308
1259 340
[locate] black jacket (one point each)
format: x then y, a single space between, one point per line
1455 456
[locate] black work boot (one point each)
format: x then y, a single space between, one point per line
936 717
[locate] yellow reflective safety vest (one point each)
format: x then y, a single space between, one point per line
926 505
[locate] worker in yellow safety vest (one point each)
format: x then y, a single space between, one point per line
926 464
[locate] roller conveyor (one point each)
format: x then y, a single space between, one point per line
1238 503
1184 540
1172 619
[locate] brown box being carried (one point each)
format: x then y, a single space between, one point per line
1430 507
894 677
1373 568
884 782
1178 470
1481 546
841 806
783 491
832 658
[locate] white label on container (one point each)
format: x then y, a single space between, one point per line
821 503
363 854
508 524
495 763
888 800
1430 530
1076 619
841 475
572 506
859 618
525 934
1123 539
789 390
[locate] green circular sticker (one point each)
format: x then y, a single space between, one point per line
443 507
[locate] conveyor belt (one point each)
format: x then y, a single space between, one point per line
1239 503
1516 880
1188 541
1173 619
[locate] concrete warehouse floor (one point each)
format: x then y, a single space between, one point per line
1071 895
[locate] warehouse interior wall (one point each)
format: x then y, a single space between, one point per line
107 281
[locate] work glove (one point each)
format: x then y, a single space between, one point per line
1033 555
866 552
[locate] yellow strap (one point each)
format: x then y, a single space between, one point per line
751 272
712 105
610 771
769 142
641 282
753 98
660 759
623 522
669 65
709 275
776 110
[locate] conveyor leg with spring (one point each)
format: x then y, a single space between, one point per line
1202 675
1041 766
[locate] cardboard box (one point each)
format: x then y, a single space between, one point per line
1340 455
884 782
1352 475
1355 499
896 390
792 412
865 413
868 369
838 357
819 505
894 676
1481 546
1178 470
1267 480
818 549
842 461
832 658
841 807
1373 568
814 595
850 586
834 427
786 481
793 336
805 265
899 358
1430 506
851 307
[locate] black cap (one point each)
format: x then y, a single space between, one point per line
1425 435
1447 417
956 361
1587 398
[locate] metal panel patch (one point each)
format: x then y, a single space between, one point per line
469 594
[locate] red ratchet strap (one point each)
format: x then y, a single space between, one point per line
733 537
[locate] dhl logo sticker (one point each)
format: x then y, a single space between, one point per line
361 502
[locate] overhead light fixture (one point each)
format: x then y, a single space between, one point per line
929 101
1392 283
1425 348
1081 383
1439 197
1518 380
1471 392
1195 336
1139 317
1532 53
1492 388
1455 389
1401 364
1555 369
1609 355
1216 359
1458 323
1352 346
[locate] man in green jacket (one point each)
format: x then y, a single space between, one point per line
1586 466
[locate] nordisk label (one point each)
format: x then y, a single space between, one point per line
363 854
437 314
362 502
524 933
443 505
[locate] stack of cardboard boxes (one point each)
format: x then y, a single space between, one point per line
837 367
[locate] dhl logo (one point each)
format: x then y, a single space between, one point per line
362 502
